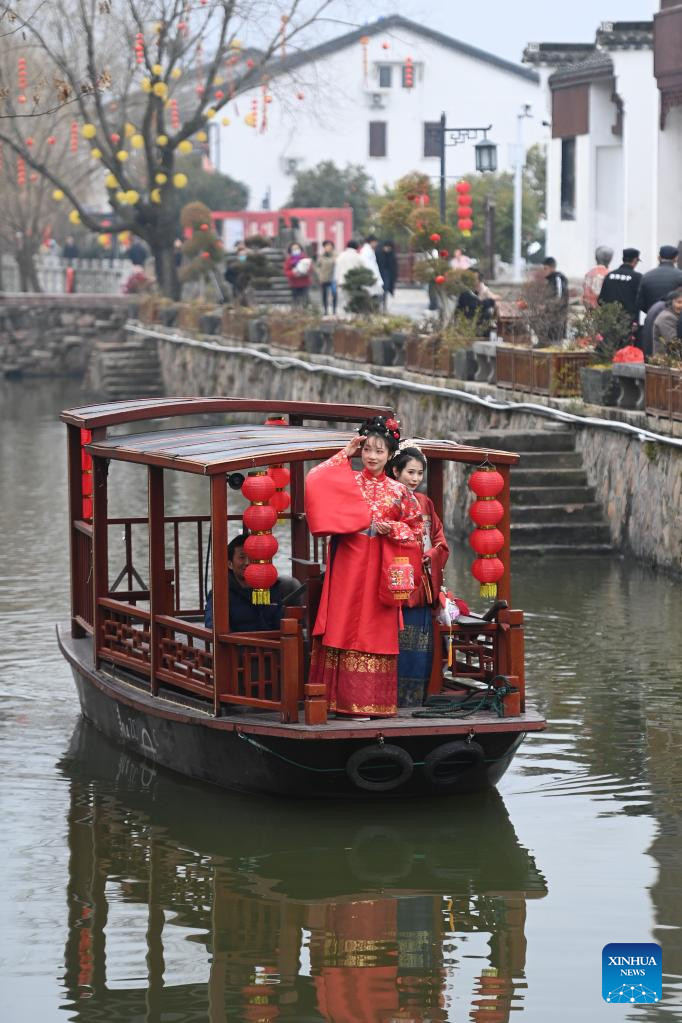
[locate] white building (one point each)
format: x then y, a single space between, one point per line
348 101
614 162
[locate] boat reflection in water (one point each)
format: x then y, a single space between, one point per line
297 912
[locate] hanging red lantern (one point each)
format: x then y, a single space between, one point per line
465 224
486 482
435 237
440 279
74 137
443 253
259 517
462 187
51 140
408 77
139 47
260 547
400 583
86 476
280 500
487 541
258 488
486 513
21 171
174 115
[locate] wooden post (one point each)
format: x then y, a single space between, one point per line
158 581
435 485
300 542
73 441
100 548
222 683
290 669
504 584
514 658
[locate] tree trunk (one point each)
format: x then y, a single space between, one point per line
165 266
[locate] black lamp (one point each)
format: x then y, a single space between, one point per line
486 156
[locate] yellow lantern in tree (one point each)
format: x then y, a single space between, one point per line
201 136
157 69
210 113
161 178
155 195
58 194
121 196
137 141
88 131
129 129
75 217
180 180
132 196
146 85
160 89
111 181
175 73
185 146
122 155
96 154
162 140
225 121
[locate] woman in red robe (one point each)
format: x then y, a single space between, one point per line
355 651
416 638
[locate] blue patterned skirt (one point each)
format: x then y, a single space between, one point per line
414 660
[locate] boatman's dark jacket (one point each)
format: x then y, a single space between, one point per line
245 616
657 283
621 285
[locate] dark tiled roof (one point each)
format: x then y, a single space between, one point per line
395 23
625 35
556 54
598 65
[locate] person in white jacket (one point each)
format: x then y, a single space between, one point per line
369 259
349 259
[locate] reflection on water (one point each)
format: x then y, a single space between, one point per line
130 894
301 913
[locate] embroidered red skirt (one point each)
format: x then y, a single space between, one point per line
357 683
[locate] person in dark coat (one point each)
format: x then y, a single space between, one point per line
646 340
245 616
557 288
388 268
657 283
621 285
137 253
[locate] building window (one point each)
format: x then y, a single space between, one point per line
432 139
568 179
385 76
377 138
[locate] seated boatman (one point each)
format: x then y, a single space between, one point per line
245 616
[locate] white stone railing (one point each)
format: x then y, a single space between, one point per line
93 276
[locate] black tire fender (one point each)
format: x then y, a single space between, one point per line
379 768
447 766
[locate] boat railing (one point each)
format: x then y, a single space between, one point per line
261 670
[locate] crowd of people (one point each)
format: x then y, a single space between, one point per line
369 665
330 269
652 301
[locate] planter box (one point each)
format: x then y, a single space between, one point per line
663 392
540 371
189 316
598 386
286 332
349 343
383 351
464 364
485 354
511 326
236 323
399 339
210 323
428 355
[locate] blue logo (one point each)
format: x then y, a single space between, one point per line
632 972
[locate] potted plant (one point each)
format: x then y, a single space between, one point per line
287 329
663 383
601 332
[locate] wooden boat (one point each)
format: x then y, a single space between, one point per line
236 709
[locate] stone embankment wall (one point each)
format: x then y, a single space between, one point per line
638 484
54 335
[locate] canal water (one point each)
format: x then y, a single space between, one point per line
129 893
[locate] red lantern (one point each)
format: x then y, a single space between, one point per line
280 476
174 114
440 279
435 237
275 421
280 501
74 137
51 140
364 40
86 476
486 513
443 253
486 483
409 73
259 487
21 171
219 94
487 541
464 210
260 547
488 571
400 583
462 187
259 517
465 223
260 577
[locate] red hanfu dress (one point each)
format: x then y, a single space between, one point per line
355 655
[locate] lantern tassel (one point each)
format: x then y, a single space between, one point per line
260 597
488 590
401 621
450 647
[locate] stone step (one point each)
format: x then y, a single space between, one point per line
521 477
530 440
552 495
577 549
562 533
578 512
550 460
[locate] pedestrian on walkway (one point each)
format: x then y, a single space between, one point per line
349 259
662 279
665 327
594 278
387 262
557 292
298 269
324 267
621 285
369 258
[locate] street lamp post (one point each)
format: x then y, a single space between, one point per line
486 151
519 161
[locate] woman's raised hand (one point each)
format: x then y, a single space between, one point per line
353 446
383 528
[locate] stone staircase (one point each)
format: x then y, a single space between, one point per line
125 368
278 292
553 508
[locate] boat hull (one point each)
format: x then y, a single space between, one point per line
220 752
